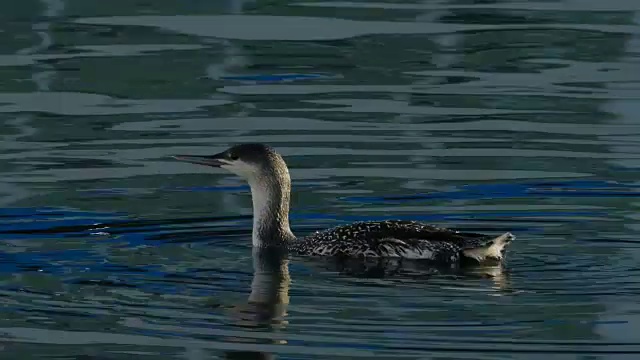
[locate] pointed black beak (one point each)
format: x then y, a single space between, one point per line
213 160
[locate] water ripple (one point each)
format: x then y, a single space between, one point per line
487 117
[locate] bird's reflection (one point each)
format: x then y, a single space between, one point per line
266 307
391 268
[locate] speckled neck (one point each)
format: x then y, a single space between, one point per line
271 194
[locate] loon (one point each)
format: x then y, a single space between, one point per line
268 176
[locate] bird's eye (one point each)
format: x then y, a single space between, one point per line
233 157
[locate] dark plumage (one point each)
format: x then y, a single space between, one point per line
396 238
268 176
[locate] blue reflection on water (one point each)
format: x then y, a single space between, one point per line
51 224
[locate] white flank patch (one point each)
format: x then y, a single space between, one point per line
405 251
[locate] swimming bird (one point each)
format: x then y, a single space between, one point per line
268 176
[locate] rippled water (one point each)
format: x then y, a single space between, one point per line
486 116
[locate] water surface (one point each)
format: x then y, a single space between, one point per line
487 116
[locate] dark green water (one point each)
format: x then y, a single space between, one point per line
486 116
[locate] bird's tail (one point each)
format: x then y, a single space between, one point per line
492 249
